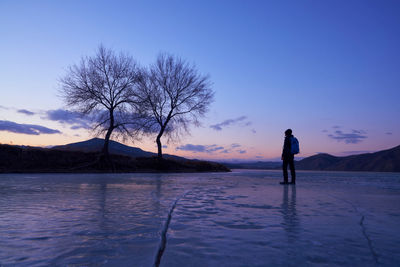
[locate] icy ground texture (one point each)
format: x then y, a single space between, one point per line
243 218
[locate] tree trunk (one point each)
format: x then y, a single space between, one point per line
106 142
158 141
159 146
108 135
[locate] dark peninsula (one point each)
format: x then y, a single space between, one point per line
84 157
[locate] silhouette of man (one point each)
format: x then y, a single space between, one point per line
288 158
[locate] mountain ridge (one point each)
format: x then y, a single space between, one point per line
387 160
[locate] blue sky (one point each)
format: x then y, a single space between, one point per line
327 69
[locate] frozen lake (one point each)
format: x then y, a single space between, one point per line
243 218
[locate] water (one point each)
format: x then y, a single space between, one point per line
243 218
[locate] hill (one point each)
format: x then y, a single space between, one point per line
19 159
381 161
96 145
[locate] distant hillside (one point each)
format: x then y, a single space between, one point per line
96 145
259 165
382 161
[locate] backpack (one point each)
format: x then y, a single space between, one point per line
294 148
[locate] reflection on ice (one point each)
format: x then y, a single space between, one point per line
289 214
244 218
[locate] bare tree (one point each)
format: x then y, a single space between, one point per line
102 86
174 95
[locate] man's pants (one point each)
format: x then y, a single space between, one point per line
290 162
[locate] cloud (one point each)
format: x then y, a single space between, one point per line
389 133
213 149
192 148
219 126
30 129
68 117
210 149
336 127
354 137
164 146
26 112
233 147
253 131
200 148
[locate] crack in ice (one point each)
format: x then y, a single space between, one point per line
163 241
363 229
368 239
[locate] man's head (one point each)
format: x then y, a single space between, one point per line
288 132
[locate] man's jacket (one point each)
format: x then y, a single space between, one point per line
287 147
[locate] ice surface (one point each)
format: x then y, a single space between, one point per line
243 218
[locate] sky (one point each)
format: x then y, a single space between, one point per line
329 70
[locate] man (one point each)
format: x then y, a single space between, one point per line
288 158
